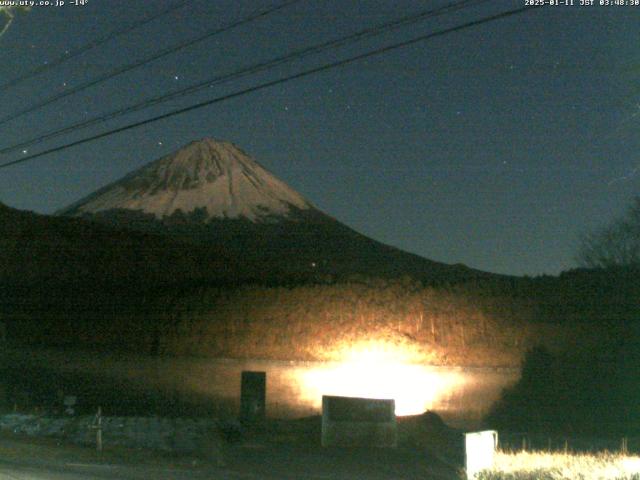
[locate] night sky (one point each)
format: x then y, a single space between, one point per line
495 147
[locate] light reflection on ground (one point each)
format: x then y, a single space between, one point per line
461 395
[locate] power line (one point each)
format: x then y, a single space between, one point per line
272 83
145 61
267 65
91 45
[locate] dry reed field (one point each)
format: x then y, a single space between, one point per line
556 466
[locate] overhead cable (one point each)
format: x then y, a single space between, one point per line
250 70
91 45
279 81
137 64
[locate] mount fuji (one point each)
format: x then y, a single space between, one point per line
212 192
214 178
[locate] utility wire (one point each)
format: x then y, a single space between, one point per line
267 65
145 61
278 81
91 45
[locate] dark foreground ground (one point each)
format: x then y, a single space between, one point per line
279 452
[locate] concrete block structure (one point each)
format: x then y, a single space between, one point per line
358 422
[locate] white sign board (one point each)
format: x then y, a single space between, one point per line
480 448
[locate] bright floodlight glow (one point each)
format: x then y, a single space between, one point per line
378 370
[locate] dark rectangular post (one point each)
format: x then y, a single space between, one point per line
253 395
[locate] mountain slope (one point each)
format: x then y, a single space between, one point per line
212 193
52 251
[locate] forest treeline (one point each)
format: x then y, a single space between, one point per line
579 392
68 282
463 324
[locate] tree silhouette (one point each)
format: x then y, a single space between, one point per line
616 245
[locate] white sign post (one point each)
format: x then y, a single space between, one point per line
480 449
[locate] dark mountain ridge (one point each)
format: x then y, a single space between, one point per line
212 193
38 249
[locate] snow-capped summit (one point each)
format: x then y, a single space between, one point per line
208 174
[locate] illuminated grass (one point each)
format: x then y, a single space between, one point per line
555 466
